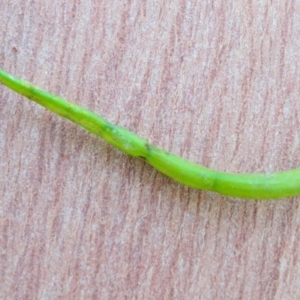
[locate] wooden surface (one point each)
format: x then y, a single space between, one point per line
216 82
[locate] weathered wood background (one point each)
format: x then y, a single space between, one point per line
217 82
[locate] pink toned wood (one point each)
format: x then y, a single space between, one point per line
214 81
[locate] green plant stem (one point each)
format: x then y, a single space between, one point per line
250 186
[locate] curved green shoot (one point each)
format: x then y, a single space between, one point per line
250 186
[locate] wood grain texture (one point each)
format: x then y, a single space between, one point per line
214 81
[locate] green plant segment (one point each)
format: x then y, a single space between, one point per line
251 186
